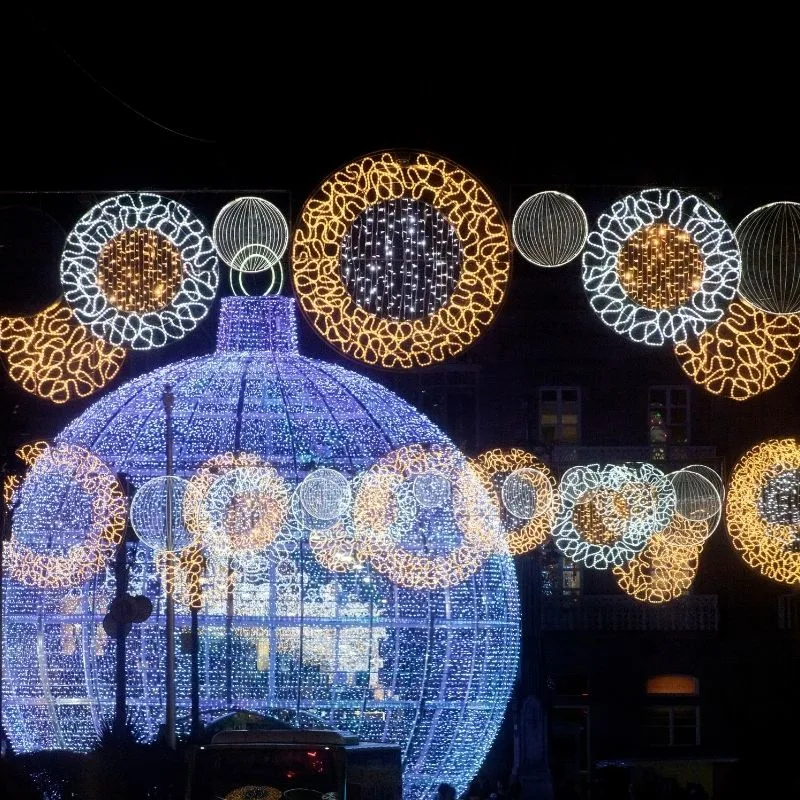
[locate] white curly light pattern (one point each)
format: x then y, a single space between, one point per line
549 229
707 231
250 234
646 494
769 240
148 513
120 273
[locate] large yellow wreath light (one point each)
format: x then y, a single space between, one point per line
400 260
761 509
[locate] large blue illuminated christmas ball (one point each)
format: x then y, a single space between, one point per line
429 670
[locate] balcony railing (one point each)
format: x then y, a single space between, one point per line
621 614
789 612
565 455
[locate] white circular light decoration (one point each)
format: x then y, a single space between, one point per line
518 492
769 241
549 229
325 494
431 489
641 524
139 270
696 498
250 234
660 266
149 513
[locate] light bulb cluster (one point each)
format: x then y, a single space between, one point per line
400 261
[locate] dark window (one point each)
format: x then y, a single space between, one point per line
669 415
560 414
673 726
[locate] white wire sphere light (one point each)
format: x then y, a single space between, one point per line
769 240
325 494
431 489
549 229
149 513
696 497
250 234
518 493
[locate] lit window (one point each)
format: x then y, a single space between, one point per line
668 415
570 578
673 684
559 414
676 726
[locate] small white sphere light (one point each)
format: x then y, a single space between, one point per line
769 240
431 489
149 513
325 494
696 498
549 229
250 234
519 493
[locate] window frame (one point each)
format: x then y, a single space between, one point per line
670 406
558 437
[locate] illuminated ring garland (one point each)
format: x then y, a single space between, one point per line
109 512
642 522
662 572
236 281
260 524
522 538
328 215
335 547
745 354
169 220
709 232
762 544
52 356
474 512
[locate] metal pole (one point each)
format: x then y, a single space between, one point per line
121 576
168 399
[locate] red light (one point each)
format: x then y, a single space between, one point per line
312 753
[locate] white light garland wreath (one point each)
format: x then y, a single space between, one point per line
683 266
139 270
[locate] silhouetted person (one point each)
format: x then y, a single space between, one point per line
446 791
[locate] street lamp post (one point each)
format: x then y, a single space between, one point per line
168 399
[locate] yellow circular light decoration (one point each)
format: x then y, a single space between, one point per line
139 271
451 195
660 267
748 352
28 453
662 572
769 546
601 516
493 466
195 514
474 511
182 573
335 548
10 485
108 514
51 355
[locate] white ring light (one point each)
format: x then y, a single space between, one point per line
157 222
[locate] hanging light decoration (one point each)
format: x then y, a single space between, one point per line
769 240
139 270
400 260
431 490
696 498
325 494
250 234
149 512
52 356
661 266
549 229
762 510
523 484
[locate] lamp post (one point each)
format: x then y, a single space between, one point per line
168 399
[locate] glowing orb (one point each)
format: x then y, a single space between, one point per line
769 240
69 516
696 498
53 357
250 234
549 229
139 270
325 494
745 354
761 510
400 261
431 489
149 512
661 266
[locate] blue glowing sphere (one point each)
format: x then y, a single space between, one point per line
429 670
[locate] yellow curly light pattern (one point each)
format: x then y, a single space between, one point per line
746 353
601 515
255 793
660 266
195 513
29 452
474 511
51 355
10 485
494 465
662 572
765 545
109 511
335 548
182 573
329 214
